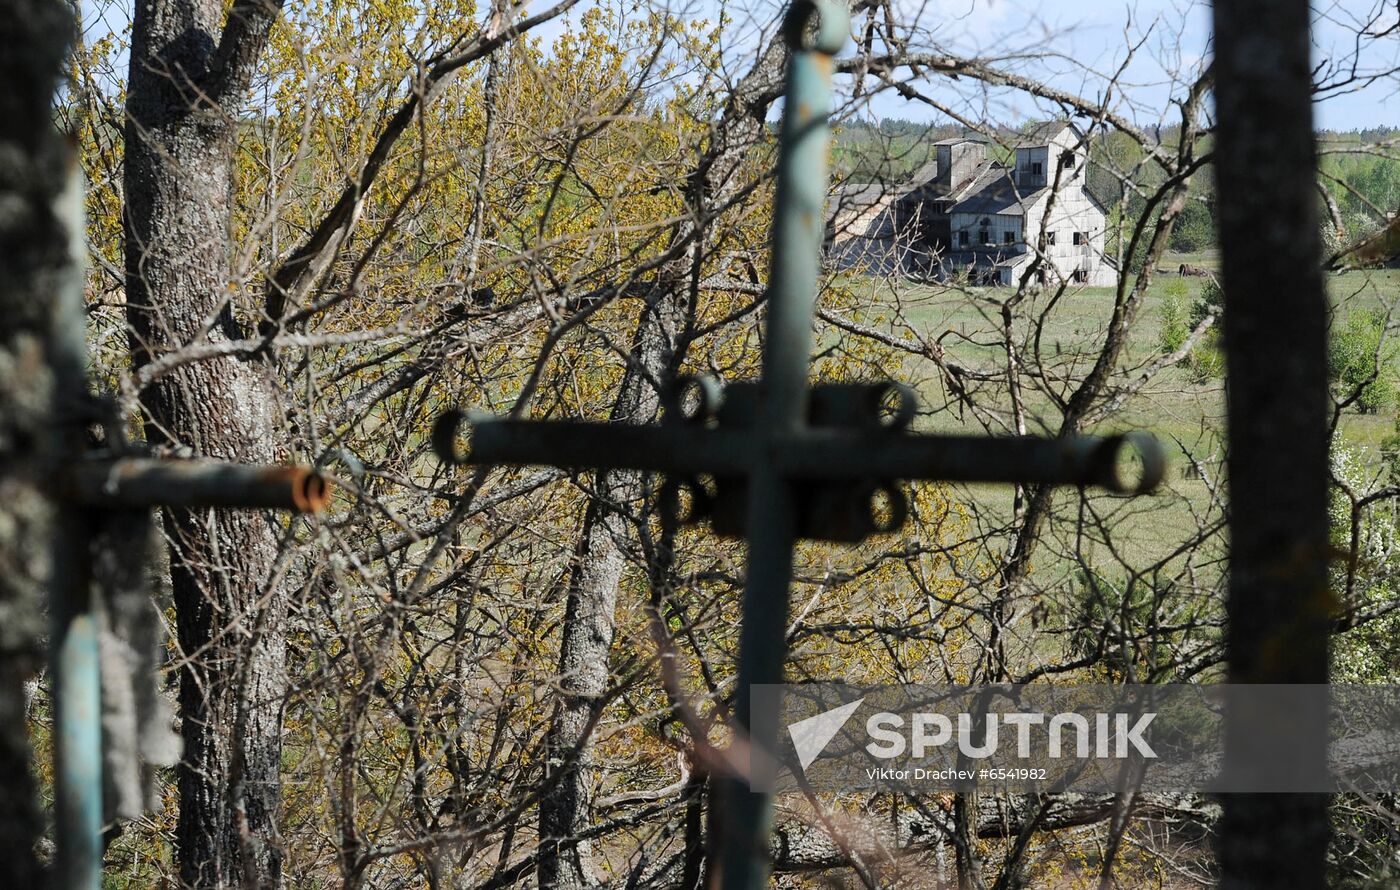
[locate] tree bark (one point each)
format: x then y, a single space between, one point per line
589 625
1276 357
34 261
186 81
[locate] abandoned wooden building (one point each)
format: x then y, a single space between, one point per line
967 214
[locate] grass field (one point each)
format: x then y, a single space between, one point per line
1186 413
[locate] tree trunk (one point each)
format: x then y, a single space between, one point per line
588 628
1276 358
589 625
185 84
34 260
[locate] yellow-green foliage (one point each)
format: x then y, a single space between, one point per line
420 696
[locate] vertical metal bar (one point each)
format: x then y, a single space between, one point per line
77 738
1278 618
77 704
814 31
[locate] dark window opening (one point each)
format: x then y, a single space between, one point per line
962 237
1008 238
984 237
1078 238
1049 237
1067 160
1081 275
1035 168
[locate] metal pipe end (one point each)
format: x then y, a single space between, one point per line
445 437
311 492
819 26
894 405
1131 463
687 500
889 508
696 398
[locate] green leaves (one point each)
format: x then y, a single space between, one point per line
1364 361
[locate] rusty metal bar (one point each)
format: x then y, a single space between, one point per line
149 482
77 704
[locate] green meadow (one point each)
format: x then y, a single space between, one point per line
1181 406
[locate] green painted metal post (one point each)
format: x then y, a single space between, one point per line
77 703
77 683
82 487
814 31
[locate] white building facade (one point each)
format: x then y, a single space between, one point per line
987 222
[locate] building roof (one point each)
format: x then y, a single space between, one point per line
1042 133
993 190
848 203
993 255
851 199
958 140
924 178
850 195
997 193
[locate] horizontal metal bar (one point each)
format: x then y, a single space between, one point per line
810 453
152 482
673 448
1076 460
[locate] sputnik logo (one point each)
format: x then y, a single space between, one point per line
811 736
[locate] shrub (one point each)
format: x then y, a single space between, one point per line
1363 358
1172 312
1115 617
1207 359
1390 451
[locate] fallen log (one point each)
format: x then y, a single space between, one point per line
805 844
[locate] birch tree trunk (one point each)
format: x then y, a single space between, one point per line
189 70
1276 358
589 625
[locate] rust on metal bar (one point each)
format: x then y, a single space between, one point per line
151 482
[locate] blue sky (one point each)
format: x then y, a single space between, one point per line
1088 39
1072 44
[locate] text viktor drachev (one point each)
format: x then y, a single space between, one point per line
982 736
